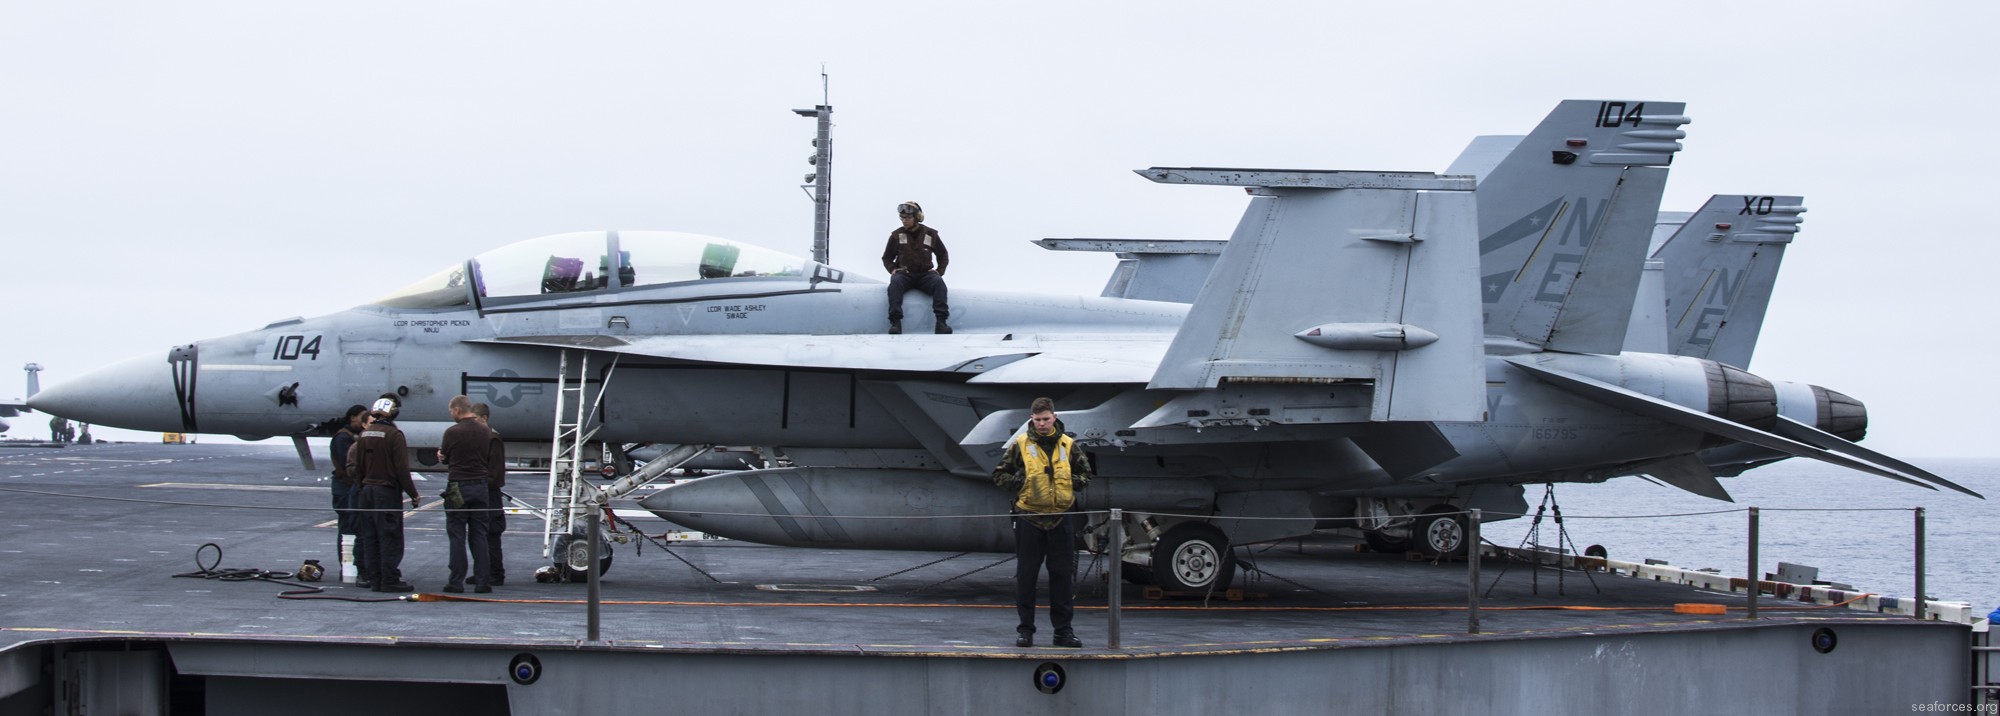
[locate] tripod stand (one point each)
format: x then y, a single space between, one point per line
1532 543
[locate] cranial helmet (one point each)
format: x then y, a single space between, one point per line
910 208
384 406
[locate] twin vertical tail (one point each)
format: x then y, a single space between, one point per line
1719 270
1381 277
1565 219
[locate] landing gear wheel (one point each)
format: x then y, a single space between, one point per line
1385 544
1193 557
1440 534
573 558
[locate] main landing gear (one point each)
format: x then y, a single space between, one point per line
1435 531
1187 557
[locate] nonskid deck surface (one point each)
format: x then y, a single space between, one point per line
74 567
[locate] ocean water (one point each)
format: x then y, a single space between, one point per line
1856 528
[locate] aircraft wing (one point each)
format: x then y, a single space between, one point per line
1008 358
1151 269
9 409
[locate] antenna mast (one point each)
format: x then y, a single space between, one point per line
819 182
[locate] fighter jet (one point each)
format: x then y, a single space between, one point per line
1371 349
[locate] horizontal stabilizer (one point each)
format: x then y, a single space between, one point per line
1819 438
1661 410
1688 473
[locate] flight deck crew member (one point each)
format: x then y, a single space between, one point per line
381 456
1043 469
347 486
496 478
908 259
463 452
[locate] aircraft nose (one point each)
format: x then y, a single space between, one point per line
136 394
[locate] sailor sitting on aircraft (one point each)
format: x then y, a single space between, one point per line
907 258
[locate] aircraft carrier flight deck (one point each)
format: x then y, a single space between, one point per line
95 535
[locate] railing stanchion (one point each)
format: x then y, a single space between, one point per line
595 547
1472 573
1918 610
1115 576
1756 584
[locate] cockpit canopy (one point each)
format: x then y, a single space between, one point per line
582 262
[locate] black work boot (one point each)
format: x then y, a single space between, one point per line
943 328
1027 639
1068 641
895 326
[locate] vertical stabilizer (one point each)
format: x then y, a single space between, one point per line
1565 219
1721 267
1335 277
1484 153
34 379
1647 331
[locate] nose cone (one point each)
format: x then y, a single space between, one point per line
137 394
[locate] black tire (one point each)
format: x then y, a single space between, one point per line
1439 535
1385 544
1193 557
573 558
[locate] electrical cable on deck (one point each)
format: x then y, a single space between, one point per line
212 570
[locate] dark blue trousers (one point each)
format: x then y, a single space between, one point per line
381 535
469 527
495 559
928 282
1032 546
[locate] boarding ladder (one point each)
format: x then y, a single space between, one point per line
571 498
566 507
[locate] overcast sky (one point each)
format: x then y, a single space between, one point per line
178 171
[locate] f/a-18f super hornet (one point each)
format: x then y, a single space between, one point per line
1387 347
